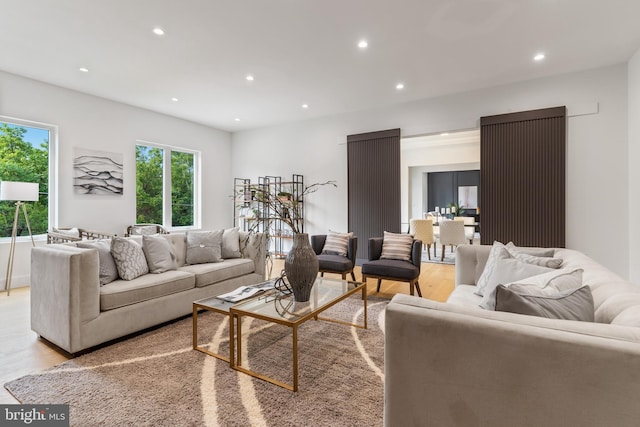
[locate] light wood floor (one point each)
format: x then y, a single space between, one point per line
22 352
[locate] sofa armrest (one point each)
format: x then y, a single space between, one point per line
254 246
65 292
450 365
470 262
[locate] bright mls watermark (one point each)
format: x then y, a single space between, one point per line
34 415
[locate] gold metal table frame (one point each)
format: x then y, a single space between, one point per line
325 294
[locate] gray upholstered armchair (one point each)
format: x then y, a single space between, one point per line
393 269
338 264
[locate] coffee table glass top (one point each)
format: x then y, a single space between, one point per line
280 307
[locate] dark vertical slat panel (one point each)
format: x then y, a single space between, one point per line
522 174
373 185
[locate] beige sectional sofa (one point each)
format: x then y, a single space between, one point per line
72 310
455 364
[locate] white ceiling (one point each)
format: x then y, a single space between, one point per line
304 51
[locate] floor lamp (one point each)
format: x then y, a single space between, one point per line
19 192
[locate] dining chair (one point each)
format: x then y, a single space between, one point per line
422 229
469 227
451 233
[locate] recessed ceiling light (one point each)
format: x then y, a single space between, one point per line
444 134
174 99
84 69
539 57
158 31
237 119
400 86
305 106
249 78
362 44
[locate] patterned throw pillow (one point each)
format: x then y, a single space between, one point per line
396 246
108 269
336 244
129 258
204 246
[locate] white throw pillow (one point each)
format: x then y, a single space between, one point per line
506 271
396 246
498 251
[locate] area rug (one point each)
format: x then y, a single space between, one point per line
157 379
449 257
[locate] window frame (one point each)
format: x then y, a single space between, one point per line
166 184
52 202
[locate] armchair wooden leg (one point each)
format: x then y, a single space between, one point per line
411 291
379 281
353 276
418 289
344 276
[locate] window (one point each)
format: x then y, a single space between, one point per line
25 155
166 186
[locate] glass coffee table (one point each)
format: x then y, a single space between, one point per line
276 307
281 309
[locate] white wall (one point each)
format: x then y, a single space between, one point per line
597 168
96 123
634 167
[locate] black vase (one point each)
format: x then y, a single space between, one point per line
301 266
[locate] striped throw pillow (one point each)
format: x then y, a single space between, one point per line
396 246
336 244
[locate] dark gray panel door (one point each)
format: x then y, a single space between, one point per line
374 185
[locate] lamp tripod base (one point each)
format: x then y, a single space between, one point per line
12 250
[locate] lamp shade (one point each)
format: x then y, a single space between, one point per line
20 191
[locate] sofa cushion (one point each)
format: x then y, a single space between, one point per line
207 274
464 295
120 293
507 271
231 243
391 268
541 302
396 246
204 246
108 268
159 254
334 262
129 258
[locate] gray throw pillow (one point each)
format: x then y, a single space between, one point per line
129 258
108 269
231 243
531 300
204 246
159 254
